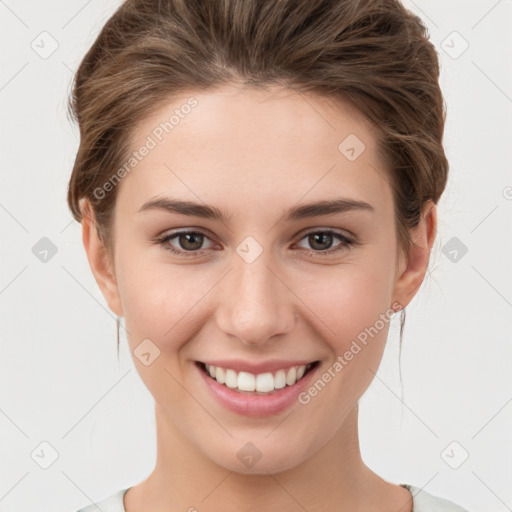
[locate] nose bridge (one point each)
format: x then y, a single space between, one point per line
254 305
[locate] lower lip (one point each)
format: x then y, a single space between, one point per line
253 405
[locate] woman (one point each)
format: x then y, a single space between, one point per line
257 184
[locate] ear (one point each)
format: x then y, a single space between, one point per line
99 260
413 266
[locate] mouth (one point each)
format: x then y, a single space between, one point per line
266 383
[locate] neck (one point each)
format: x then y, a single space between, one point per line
333 478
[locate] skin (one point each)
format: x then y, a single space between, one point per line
253 154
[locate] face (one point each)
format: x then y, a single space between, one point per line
252 242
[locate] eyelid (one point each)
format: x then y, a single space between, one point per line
174 234
346 241
333 231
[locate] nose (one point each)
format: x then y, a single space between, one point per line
255 304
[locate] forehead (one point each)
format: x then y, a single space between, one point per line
254 146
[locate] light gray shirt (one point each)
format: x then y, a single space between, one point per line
422 502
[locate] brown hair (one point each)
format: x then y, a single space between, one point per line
374 54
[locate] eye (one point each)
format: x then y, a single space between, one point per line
189 242
322 241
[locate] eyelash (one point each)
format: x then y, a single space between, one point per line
347 242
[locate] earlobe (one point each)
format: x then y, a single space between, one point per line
410 279
99 261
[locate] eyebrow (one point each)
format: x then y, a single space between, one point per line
316 209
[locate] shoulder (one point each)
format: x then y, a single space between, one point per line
112 503
425 502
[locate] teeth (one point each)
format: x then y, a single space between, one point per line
246 381
261 383
280 379
291 376
264 382
231 379
220 375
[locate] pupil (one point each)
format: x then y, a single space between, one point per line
191 237
322 237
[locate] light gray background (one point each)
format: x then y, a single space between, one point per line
61 380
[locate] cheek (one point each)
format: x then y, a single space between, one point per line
350 299
355 310
160 302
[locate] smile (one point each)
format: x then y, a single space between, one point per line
259 384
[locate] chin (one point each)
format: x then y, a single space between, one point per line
256 458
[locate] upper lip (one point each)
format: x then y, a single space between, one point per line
239 365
